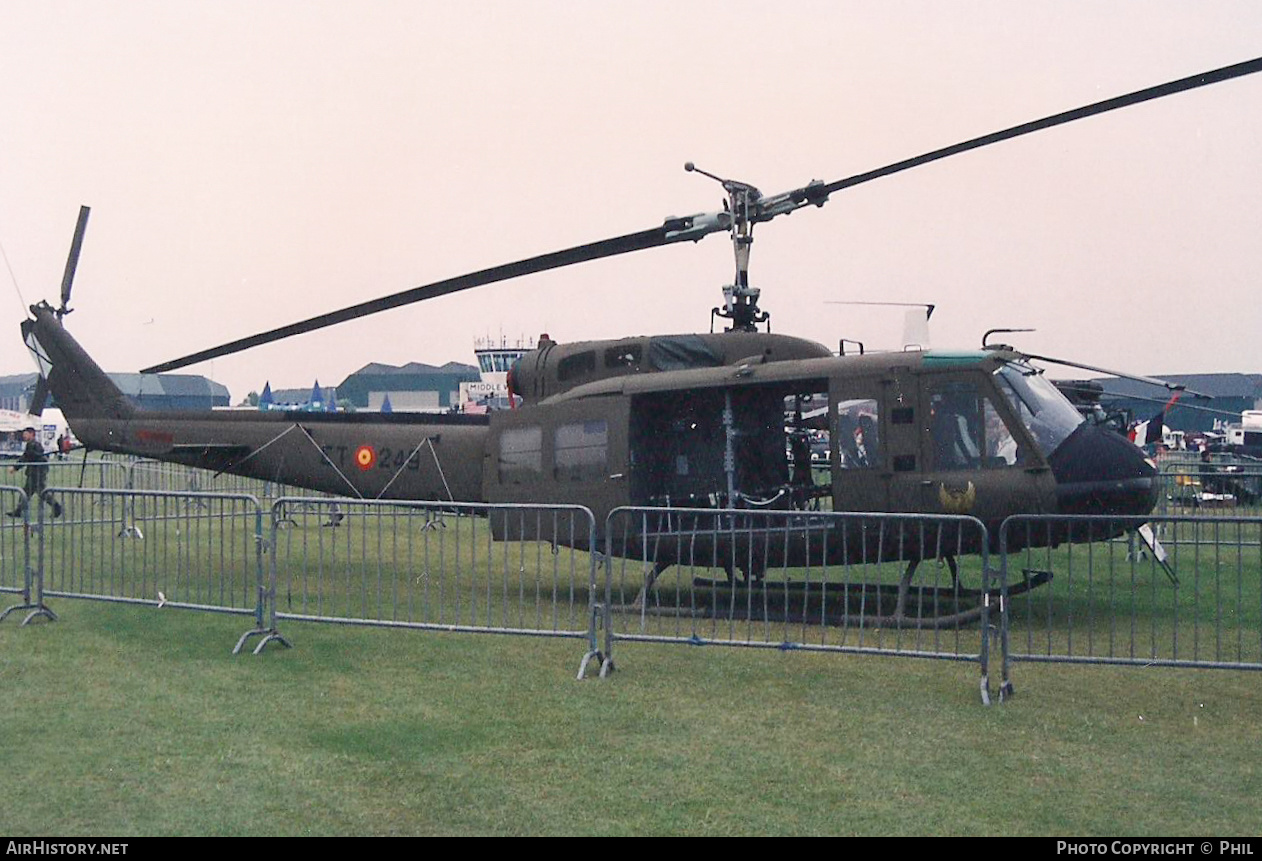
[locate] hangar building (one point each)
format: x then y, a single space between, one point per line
148 391
414 387
1232 393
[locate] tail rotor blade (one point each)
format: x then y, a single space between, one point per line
72 262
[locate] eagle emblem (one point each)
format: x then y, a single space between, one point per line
957 501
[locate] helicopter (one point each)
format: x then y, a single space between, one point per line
698 422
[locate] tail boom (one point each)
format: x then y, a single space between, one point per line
399 456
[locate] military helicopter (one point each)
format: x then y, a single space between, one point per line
709 421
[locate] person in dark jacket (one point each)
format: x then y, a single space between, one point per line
35 462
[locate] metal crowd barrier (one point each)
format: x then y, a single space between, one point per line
13 541
502 569
17 575
1172 590
98 473
199 551
913 585
145 474
1191 598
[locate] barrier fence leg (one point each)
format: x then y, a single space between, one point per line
265 602
1005 684
607 665
130 527
595 615
986 626
33 575
606 614
593 652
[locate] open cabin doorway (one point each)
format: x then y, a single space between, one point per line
735 447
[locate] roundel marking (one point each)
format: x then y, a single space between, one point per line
365 457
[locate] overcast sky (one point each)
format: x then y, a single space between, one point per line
252 163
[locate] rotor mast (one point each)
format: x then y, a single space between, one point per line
740 301
746 206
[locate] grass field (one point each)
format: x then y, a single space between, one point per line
131 721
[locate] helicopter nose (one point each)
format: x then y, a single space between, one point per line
1099 471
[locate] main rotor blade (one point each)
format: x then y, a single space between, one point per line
1181 405
72 262
678 230
674 230
1183 84
1152 381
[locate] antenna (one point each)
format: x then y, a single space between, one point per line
989 332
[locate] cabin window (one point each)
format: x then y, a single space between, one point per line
521 455
680 352
577 365
626 356
582 451
858 433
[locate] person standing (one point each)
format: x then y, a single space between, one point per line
35 462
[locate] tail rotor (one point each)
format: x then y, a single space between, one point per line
39 397
72 261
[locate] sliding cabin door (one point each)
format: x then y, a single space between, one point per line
573 453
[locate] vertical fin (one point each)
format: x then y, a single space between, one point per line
81 388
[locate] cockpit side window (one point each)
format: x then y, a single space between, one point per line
968 431
956 427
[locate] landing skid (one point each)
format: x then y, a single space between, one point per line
884 605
